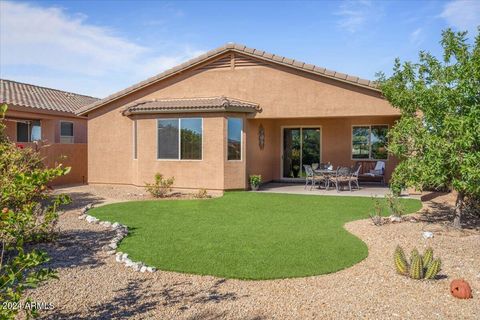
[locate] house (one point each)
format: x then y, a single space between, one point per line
232 112
45 119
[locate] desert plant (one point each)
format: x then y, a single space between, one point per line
376 215
420 267
201 194
394 205
161 187
255 181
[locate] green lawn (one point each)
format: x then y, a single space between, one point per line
245 235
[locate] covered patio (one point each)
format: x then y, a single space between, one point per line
366 190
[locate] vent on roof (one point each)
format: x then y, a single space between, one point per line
246 61
221 63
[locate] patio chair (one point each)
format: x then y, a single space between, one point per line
312 177
354 176
342 177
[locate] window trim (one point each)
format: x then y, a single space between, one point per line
369 142
73 132
30 126
241 140
179 139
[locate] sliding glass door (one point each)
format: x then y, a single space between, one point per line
300 146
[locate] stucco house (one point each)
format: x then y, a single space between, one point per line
45 119
232 112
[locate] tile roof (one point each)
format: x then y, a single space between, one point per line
232 47
31 96
211 104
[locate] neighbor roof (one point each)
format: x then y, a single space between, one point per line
232 47
211 104
32 96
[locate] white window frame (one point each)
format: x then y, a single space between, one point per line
369 142
241 140
180 139
72 137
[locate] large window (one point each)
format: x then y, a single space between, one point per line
180 138
234 127
28 131
369 142
66 132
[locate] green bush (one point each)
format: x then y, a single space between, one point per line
255 180
28 214
161 187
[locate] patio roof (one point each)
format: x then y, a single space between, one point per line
209 104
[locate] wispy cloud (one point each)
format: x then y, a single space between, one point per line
354 14
462 14
416 37
49 39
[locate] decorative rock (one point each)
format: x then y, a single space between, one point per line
107 224
136 266
82 216
111 252
151 269
128 262
143 269
124 256
395 218
427 234
118 257
91 219
115 225
112 245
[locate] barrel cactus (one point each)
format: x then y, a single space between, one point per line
420 266
400 261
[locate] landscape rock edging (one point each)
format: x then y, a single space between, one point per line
121 231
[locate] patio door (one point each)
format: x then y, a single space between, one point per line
300 146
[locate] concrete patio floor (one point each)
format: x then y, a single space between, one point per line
366 190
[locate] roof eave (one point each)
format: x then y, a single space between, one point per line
193 110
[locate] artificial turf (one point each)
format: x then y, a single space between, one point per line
245 235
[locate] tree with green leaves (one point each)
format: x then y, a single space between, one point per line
437 139
28 214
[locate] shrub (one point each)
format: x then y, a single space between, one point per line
201 194
376 215
28 214
161 187
255 180
394 205
420 267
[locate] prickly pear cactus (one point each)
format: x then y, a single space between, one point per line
433 269
427 257
416 267
400 261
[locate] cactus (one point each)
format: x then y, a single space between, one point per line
433 269
427 257
414 254
416 267
400 262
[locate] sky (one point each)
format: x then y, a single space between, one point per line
100 47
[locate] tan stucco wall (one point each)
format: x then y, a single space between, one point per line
280 92
53 152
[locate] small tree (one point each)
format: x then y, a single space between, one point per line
437 138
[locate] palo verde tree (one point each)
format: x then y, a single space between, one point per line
437 138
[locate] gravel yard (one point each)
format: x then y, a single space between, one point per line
92 285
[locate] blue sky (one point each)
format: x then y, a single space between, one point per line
100 47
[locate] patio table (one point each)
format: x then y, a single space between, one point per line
327 173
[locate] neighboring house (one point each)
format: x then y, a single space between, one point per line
45 119
232 112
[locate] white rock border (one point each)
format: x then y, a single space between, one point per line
121 231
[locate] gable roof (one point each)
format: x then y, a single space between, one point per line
32 96
211 104
232 47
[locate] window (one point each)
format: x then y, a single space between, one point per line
234 136
369 142
180 139
66 132
135 139
28 131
